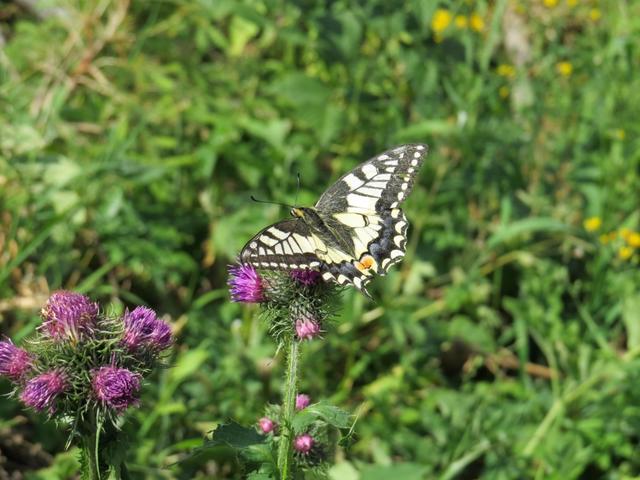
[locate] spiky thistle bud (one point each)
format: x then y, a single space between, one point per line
69 316
303 443
246 284
143 329
14 362
307 328
302 401
266 425
306 277
41 391
116 388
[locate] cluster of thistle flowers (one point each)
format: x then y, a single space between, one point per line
298 304
297 300
82 358
310 445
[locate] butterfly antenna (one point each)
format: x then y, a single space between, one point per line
298 189
270 203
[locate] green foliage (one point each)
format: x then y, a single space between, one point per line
506 344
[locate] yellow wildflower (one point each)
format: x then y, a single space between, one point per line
592 224
625 233
572 3
506 70
625 253
476 22
441 20
461 21
503 91
564 68
620 134
595 14
633 239
550 3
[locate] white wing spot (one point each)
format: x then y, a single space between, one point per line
267 240
404 186
278 233
351 219
383 157
262 251
400 225
360 201
397 253
420 147
369 171
357 282
328 276
390 169
414 162
279 249
395 213
392 163
383 177
417 155
400 195
411 170
398 239
274 264
254 245
394 204
314 264
342 279
370 191
353 181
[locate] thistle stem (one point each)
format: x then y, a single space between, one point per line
91 461
288 409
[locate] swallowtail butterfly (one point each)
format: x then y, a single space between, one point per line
354 230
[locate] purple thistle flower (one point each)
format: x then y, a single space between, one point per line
302 401
69 315
14 362
41 391
116 388
303 443
142 328
306 277
307 328
245 284
266 425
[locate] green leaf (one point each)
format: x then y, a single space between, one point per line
331 414
406 471
234 435
506 233
631 319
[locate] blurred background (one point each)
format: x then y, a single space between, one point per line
507 343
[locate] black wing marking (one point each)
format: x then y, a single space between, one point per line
381 183
288 245
384 251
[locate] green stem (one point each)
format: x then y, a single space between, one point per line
288 409
90 465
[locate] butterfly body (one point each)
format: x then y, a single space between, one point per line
354 230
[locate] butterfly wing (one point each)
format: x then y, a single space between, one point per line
377 185
361 205
364 204
289 245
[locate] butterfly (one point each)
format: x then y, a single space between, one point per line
355 229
